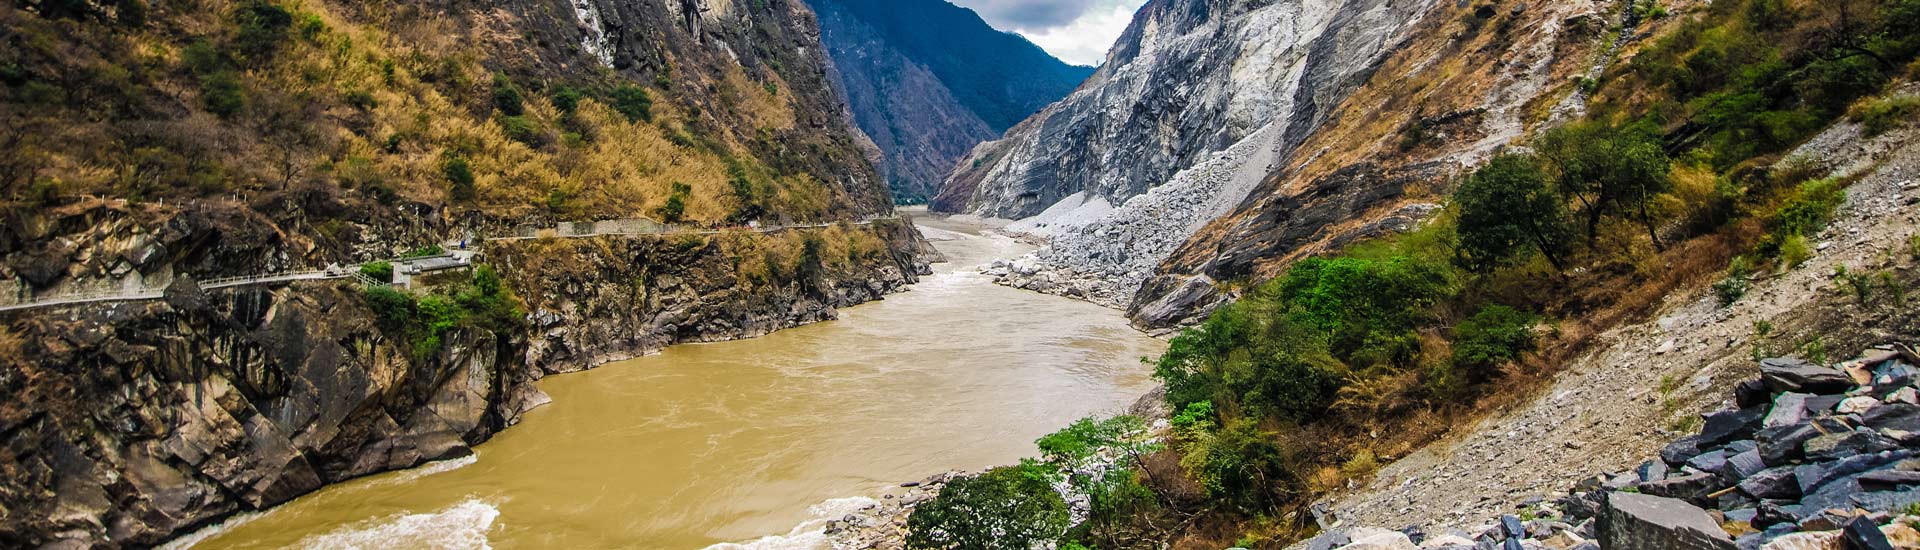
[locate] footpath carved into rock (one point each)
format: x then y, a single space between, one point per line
415 264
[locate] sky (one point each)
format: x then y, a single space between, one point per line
1076 31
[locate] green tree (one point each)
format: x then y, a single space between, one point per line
1610 170
634 102
1507 210
1008 508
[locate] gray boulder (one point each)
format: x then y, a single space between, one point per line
1893 416
1681 449
1687 486
1842 445
1862 534
1781 444
1777 482
1711 462
1788 409
1724 426
1746 464
1646 522
1791 374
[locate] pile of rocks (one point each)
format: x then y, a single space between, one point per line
1811 457
883 524
1104 260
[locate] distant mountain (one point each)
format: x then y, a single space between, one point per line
927 80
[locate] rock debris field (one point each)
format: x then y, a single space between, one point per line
1811 457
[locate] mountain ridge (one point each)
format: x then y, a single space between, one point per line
927 80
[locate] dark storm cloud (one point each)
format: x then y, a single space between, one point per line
1030 15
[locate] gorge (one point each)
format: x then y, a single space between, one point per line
728 442
1356 274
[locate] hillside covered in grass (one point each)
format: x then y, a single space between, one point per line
333 131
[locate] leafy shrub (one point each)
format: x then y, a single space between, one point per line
1241 466
1197 415
261 27
424 251
381 271
523 130
1805 212
392 308
1366 308
1794 251
1731 288
1084 438
1861 283
311 26
1494 336
222 94
748 196
423 323
676 206
460 175
634 102
1008 508
506 97
567 98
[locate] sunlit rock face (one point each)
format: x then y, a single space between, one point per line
1188 78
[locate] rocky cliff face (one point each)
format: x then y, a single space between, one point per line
919 127
1389 148
1197 104
610 298
927 80
134 422
1187 78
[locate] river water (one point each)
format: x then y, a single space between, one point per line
754 442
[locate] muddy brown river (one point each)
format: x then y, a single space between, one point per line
752 443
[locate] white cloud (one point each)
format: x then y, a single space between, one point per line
1083 40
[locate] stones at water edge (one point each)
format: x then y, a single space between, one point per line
1646 522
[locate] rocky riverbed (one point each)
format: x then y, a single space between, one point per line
1809 457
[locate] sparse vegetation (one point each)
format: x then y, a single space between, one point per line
1881 114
